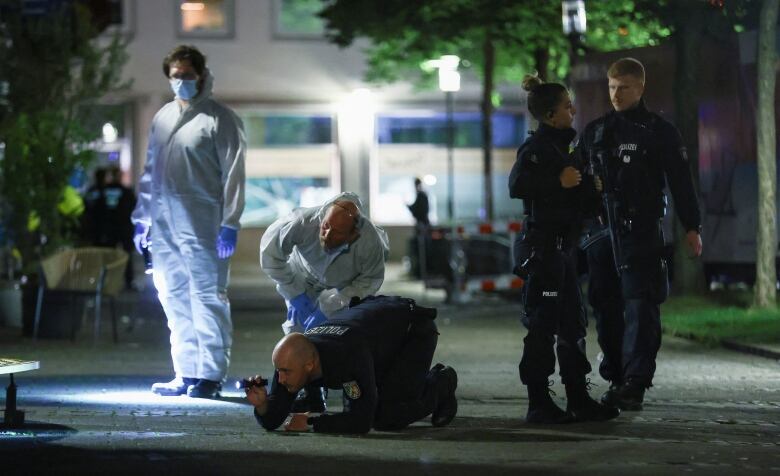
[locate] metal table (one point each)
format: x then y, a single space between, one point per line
14 418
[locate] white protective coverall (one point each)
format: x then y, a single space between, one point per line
291 255
193 183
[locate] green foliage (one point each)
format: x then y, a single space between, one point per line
54 68
405 34
720 316
618 25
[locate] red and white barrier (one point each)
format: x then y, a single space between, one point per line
489 228
504 282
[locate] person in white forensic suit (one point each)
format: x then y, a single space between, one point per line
191 196
321 258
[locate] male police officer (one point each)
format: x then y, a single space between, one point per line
638 153
379 353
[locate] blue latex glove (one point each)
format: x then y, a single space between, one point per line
141 237
226 242
315 319
302 305
294 319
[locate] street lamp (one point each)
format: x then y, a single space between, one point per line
574 20
449 82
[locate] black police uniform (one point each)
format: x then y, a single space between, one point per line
118 205
419 209
546 255
643 153
379 353
107 219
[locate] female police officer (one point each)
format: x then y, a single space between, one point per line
554 195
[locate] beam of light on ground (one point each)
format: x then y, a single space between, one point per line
142 398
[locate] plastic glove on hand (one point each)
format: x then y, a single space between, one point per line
331 300
226 242
293 323
141 237
302 305
315 319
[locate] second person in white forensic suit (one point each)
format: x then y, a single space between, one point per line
191 197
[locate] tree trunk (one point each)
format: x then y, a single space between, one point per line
766 241
688 273
489 52
542 63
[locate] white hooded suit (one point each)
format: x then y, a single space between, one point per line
193 183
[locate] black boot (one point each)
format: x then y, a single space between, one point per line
445 380
631 396
177 386
583 408
205 389
541 408
610 397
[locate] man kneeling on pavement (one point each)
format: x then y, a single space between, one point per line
379 352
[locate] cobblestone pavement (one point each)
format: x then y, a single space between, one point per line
712 411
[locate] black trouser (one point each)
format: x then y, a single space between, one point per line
627 308
553 307
406 391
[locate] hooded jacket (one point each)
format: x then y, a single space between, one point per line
196 154
291 255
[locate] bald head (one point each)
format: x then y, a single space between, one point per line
295 346
339 226
346 210
296 359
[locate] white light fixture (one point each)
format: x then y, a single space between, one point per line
573 17
430 180
356 113
449 81
110 133
192 6
449 78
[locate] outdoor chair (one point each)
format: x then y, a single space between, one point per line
83 272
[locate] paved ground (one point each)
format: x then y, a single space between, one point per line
712 411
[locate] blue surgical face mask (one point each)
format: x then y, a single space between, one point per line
184 89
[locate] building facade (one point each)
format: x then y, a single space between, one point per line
314 128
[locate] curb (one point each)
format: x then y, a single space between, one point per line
750 349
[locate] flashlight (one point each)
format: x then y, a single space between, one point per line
248 382
148 269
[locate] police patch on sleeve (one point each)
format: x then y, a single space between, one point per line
352 390
327 330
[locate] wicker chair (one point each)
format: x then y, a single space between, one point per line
86 272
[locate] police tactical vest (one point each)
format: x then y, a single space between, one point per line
633 159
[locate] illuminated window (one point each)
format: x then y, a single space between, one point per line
290 162
298 19
205 18
120 15
414 145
